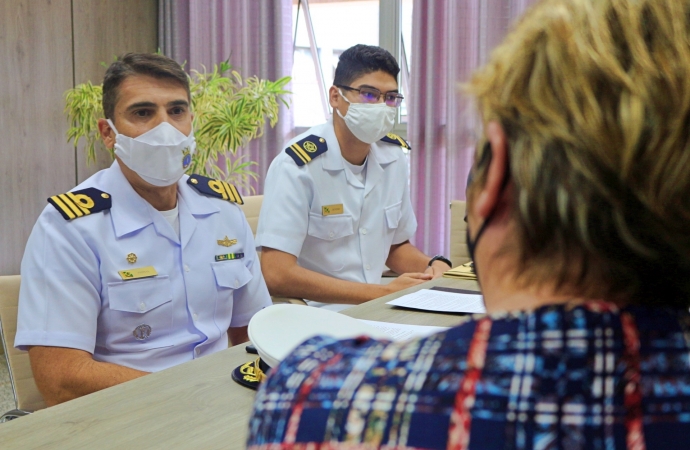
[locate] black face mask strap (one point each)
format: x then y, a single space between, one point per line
472 244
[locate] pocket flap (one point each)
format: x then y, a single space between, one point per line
330 228
231 274
393 214
139 296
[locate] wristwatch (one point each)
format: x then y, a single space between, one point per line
442 259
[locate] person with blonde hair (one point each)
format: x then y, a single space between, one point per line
577 222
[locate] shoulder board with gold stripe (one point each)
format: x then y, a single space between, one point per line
305 150
215 188
81 203
397 140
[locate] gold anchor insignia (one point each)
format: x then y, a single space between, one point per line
131 258
225 242
310 146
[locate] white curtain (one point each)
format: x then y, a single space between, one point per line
450 39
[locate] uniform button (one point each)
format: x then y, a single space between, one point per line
186 268
368 267
142 306
331 234
364 231
197 351
196 316
237 283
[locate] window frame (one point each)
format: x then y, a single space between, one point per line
390 38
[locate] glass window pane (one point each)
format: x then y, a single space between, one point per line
338 25
306 100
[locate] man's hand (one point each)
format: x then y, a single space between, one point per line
285 278
407 280
437 269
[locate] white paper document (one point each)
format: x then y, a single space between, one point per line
441 301
403 332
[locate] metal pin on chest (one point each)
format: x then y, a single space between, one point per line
142 332
131 258
226 242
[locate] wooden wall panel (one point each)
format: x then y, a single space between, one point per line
104 29
38 39
36 161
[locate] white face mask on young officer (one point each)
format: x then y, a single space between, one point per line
369 122
160 156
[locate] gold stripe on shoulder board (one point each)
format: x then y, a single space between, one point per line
63 207
301 153
217 186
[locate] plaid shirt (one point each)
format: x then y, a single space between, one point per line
591 376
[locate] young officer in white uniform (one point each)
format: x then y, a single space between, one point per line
336 206
140 267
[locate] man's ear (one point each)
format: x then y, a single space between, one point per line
336 101
333 97
107 133
489 195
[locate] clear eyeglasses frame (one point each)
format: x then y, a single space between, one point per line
372 95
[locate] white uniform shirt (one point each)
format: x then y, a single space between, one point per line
72 296
354 245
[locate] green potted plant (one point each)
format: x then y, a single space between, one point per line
228 113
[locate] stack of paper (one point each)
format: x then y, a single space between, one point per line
402 332
463 272
441 301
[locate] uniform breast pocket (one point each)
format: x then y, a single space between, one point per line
140 314
230 276
330 228
326 251
393 214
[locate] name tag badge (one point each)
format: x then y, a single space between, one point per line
330 210
140 272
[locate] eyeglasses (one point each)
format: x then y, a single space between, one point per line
372 95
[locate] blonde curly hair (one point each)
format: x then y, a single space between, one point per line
594 96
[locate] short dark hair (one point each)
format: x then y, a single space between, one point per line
361 60
149 64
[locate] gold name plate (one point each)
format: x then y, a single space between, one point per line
141 272
330 210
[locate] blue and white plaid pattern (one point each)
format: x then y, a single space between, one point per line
589 376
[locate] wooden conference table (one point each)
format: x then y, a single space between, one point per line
193 405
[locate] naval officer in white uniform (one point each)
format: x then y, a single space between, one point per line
140 267
336 206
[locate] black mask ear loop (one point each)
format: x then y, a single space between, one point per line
472 244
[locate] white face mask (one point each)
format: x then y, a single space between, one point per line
369 122
160 156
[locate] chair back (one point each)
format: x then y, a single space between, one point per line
251 209
26 393
458 226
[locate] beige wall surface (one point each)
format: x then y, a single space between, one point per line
46 47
